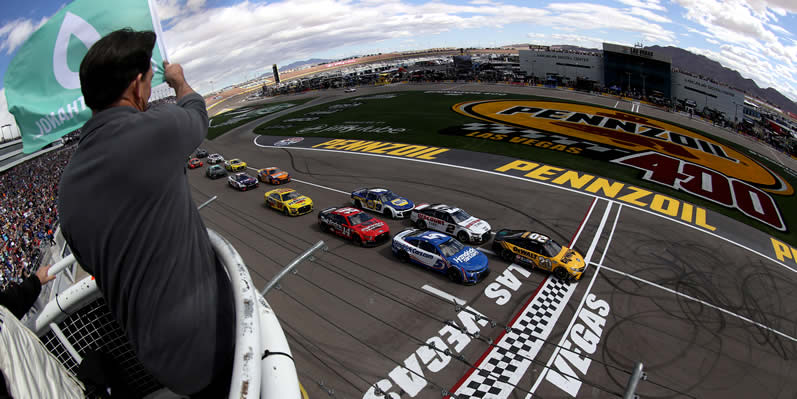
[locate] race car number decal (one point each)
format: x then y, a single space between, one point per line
450 229
538 237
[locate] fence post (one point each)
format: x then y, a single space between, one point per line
633 380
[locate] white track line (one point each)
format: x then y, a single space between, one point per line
672 291
521 178
617 103
307 182
590 252
583 223
444 295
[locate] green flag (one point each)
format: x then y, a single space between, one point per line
42 82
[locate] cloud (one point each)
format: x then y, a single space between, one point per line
586 16
224 43
568 39
14 33
650 4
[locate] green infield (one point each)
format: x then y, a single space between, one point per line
226 121
583 137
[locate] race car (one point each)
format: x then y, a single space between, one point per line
350 90
355 225
194 163
450 220
273 175
382 200
538 250
215 158
289 202
234 164
215 171
201 152
242 181
441 253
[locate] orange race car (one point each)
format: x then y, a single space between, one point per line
273 175
194 163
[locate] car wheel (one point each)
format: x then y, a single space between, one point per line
420 224
285 211
359 204
507 255
359 240
453 274
387 212
243 188
463 236
561 273
403 256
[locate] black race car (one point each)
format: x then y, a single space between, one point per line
201 152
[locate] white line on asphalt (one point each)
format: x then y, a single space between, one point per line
444 295
715 235
583 223
672 291
320 186
312 184
590 252
617 103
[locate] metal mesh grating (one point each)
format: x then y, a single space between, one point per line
93 328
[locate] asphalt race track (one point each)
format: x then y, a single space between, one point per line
707 318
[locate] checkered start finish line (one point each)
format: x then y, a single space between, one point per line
508 361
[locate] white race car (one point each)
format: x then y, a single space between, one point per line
452 221
215 158
350 90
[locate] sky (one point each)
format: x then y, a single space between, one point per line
222 42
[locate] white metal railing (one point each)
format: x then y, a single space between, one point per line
258 333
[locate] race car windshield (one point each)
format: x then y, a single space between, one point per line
359 218
552 248
451 247
389 196
291 195
460 216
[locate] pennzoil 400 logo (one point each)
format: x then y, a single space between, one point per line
667 154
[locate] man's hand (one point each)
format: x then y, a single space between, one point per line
42 275
173 73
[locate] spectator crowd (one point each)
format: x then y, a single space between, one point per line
28 213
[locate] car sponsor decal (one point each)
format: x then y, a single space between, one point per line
469 254
399 202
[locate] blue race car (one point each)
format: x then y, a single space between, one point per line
383 201
442 253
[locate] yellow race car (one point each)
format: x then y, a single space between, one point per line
234 164
538 250
289 202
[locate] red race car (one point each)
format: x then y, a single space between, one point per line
194 163
355 225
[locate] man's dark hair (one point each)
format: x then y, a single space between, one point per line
112 63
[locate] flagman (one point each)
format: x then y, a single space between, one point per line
137 229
